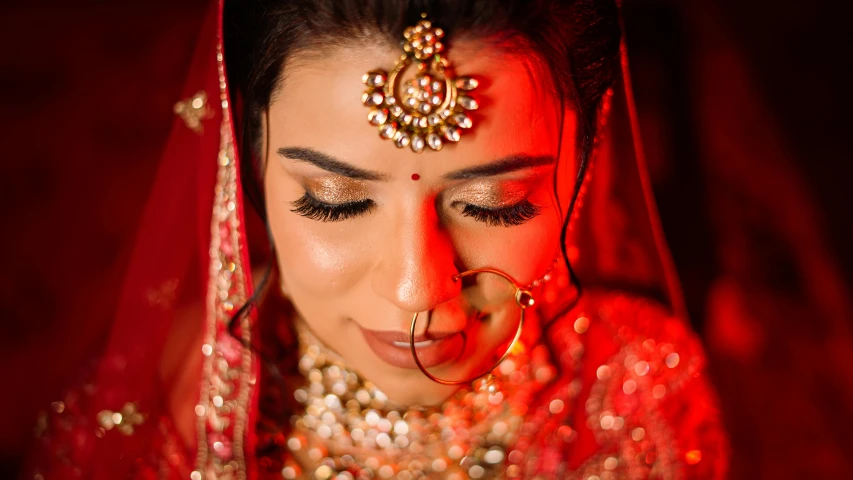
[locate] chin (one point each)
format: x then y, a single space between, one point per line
407 387
412 388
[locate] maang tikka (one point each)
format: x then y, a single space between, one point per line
430 109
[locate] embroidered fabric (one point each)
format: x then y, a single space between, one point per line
625 398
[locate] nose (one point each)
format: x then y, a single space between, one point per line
416 267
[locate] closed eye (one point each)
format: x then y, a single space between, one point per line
509 216
310 207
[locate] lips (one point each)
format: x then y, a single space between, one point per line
434 348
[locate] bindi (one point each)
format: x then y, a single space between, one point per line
416 177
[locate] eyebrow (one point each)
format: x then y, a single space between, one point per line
510 163
330 164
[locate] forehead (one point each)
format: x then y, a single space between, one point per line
318 105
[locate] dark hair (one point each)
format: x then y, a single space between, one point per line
578 41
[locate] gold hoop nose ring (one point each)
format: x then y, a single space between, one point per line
523 298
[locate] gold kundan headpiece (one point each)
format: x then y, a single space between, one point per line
429 109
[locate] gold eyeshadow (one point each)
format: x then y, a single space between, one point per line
336 190
491 194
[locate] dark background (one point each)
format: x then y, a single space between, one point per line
744 109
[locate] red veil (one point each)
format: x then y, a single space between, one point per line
191 249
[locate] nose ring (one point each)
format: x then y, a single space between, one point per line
523 298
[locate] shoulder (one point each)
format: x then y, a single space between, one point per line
629 333
641 337
648 393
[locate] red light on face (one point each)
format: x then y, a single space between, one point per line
416 177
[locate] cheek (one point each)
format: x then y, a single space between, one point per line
315 258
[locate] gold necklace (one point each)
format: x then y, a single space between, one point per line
344 427
348 430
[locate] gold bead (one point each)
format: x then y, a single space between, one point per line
434 141
372 99
388 130
375 78
467 83
463 120
468 103
401 139
451 133
324 472
377 116
418 144
524 299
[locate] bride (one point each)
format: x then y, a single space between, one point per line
465 274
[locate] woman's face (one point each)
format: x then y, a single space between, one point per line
367 234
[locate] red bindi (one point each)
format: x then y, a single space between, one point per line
415 176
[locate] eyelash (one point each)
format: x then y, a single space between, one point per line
310 207
510 216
